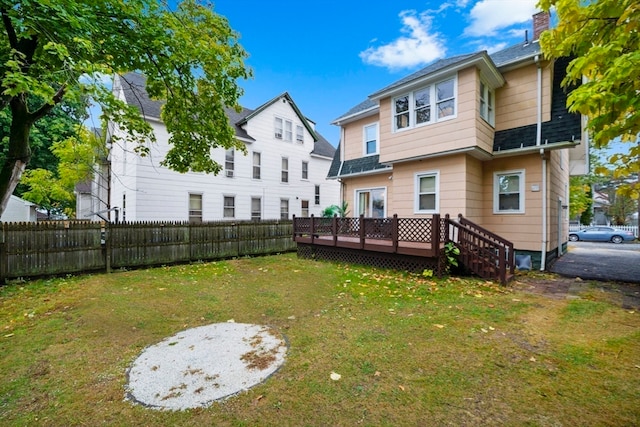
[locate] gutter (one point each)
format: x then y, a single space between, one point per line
543 252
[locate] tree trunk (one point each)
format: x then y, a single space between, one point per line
19 152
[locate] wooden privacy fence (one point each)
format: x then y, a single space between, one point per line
65 247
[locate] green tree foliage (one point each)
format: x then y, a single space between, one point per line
53 190
55 51
61 123
603 37
580 199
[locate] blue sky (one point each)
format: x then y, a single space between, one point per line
330 55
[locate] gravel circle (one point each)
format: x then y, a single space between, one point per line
198 366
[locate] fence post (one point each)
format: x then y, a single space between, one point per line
313 228
107 246
435 234
394 232
3 254
362 231
334 229
293 224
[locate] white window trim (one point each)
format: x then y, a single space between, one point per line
416 192
302 177
433 101
288 133
276 134
253 165
369 189
284 171
189 210
230 172
487 116
364 139
496 190
300 135
224 207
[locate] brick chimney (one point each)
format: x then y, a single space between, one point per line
540 24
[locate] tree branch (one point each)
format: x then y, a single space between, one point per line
44 110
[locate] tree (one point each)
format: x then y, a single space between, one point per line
603 38
54 190
57 50
61 123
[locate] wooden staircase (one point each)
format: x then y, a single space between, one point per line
482 252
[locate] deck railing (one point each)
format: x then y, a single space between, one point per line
417 236
481 251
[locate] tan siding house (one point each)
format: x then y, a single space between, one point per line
485 136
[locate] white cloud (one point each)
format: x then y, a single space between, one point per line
489 16
419 46
492 48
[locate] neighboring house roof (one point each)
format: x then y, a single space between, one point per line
83 187
288 98
322 147
134 89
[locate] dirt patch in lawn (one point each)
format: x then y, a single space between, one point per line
627 295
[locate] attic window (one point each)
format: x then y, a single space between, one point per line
278 128
288 133
299 133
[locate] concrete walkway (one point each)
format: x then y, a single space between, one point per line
601 261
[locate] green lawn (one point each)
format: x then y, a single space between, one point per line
410 350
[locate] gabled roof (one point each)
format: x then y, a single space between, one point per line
288 98
490 64
365 106
439 68
133 86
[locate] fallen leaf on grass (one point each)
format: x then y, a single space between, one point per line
335 377
438 326
401 387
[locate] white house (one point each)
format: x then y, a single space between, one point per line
283 173
19 210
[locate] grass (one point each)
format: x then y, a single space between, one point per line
410 350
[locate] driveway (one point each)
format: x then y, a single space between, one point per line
601 261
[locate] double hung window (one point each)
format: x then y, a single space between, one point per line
229 207
426 192
508 192
426 105
371 139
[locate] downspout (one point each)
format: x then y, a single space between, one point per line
543 252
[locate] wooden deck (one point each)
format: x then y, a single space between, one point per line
481 251
404 236
424 249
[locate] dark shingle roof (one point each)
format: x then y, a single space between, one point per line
515 53
365 105
235 118
134 88
322 147
430 69
339 168
135 93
